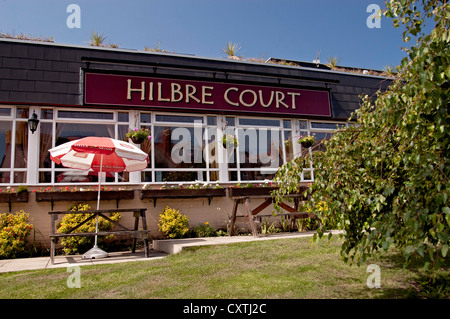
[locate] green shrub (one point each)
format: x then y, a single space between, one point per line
79 244
269 228
14 230
172 223
204 230
22 189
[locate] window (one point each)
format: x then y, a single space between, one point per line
263 146
321 131
61 126
13 144
184 148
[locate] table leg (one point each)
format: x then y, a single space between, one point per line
53 240
233 217
136 225
250 218
144 227
52 251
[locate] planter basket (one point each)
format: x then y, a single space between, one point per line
306 144
138 140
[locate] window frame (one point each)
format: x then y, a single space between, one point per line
56 119
212 124
14 120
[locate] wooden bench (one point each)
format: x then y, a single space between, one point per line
293 212
138 213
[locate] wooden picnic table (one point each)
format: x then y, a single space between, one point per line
293 212
138 213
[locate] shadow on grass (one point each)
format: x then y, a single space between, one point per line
424 284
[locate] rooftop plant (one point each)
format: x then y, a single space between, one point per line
231 49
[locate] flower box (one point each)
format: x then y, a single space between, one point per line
255 191
182 193
83 195
209 193
250 191
21 197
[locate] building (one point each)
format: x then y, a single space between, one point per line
188 103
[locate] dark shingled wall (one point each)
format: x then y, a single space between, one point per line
49 74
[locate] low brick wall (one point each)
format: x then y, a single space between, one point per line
216 211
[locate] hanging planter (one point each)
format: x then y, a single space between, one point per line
307 141
138 136
138 140
306 144
229 141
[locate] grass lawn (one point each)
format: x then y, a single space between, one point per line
284 268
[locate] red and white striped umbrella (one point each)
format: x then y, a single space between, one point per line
100 154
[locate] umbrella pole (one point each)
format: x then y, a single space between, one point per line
98 197
96 252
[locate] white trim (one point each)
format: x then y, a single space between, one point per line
33 151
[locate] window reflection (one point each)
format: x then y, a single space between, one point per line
82 176
257 175
289 148
21 147
179 147
260 148
320 136
86 115
66 132
5 150
13 149
183 147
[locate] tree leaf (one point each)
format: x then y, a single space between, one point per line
444 250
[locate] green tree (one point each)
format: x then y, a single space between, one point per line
385 180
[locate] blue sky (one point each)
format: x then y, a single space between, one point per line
286 29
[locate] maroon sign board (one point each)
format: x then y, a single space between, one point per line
138 91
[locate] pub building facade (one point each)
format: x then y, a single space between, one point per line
187 103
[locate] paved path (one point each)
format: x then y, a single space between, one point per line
161 248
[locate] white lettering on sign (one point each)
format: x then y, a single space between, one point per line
280 97
129 90
174 92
